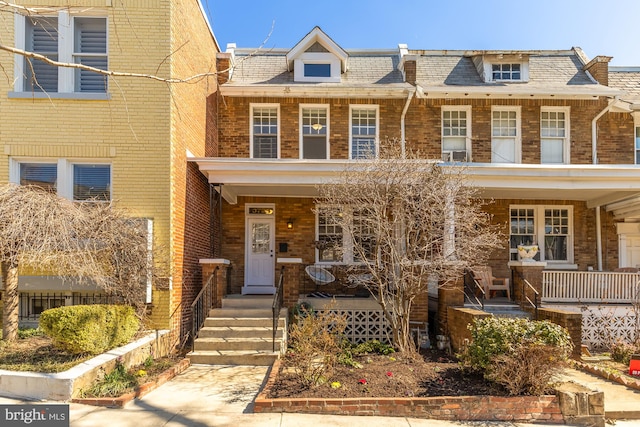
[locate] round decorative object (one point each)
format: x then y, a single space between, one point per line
527 252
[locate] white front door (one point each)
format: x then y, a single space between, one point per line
260 268
632 258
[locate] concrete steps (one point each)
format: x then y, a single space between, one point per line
240 333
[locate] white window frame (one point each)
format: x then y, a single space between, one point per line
373 107
524 71
539 233
467 110
65 173
347 241
317 58
303 107
252 106
636 138
566 146
66 76
518 137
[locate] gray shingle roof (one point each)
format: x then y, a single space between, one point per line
364 70
626 81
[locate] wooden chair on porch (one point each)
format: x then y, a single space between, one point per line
484 275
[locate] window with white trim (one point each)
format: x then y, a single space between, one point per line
335 244
506 72
505 135
264 131
456 132
554 135
78 181
63 38
314 142
317 67
364 132
550 227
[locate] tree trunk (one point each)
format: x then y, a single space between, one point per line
10 300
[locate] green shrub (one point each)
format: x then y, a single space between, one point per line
89 329
622 351
520 354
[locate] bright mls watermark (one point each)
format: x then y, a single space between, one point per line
34 415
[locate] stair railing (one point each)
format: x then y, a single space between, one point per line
278 300
536 295
202 304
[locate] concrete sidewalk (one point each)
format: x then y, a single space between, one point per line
222 396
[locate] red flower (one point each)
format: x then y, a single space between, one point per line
362 381
389 374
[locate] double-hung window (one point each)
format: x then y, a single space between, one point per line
336 244
364 132
550 227
554 135
505 135
330 239
264 131
314 132
65 38
456 132
76 181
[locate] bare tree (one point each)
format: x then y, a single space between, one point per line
89 242
410 221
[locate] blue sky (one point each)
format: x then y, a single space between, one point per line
598 27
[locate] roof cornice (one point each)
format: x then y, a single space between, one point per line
298 90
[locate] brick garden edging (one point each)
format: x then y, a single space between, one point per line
473 408
119 402
619 378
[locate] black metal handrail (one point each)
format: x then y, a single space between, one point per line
202 303
278 299
536 295
482 293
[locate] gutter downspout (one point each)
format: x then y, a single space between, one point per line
404 113
594 156
594 131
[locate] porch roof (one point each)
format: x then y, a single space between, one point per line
616 186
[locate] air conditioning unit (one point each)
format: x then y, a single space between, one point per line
454 156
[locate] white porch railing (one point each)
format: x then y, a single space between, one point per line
590 287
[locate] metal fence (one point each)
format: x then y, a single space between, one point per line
34 303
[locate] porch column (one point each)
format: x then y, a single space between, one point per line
209 268
531 271
449 295
292 279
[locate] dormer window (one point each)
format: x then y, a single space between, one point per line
317 67
506 72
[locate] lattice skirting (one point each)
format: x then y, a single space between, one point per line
604 325
365 325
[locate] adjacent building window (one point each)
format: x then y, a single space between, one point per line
506 72
264 132
314 130
550 227
505 135
91 182
364 132
77 181
43 175
554 135
63 38
637 145
456 131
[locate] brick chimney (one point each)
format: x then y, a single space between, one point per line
410 71
598 67
223 62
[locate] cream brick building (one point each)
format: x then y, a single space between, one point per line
121 138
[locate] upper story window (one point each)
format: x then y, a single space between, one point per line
314 141
505 135
506 72
318 67
456 133
264 131
554 135
364 132
77 181
63 38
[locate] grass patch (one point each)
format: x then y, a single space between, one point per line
34 352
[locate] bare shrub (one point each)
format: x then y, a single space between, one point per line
315 344
528 370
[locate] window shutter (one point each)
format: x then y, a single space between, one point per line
91 50
41 38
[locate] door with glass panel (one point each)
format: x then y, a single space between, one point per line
260 268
